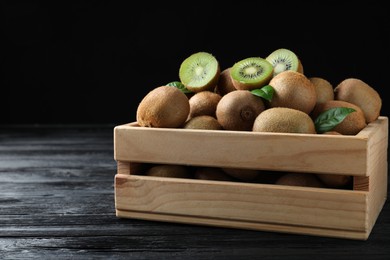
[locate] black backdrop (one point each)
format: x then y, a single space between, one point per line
65 62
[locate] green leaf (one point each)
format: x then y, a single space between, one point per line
330 118
265 92
179 85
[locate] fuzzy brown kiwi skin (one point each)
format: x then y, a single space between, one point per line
204 103
284 120
170 170
164 106
242 174
352 124
335 181
331 133
324 89
293 90
358 92
211 173
205 122
225 83
300 179
300 67
238 110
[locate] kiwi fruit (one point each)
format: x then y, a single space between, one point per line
211 173
284 120
284 59
242 174
324 89
268 177
204 103
163 106
300 179
300 67
237 110
331 133
225 82
200 71
170 170
335 180
203 122
251 73
293 90
358 92
352 124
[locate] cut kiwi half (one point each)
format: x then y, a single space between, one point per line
251 73
284 59
200 71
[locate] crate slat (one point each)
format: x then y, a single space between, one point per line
267 151
268 207
315 207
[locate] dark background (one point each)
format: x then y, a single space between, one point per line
75 62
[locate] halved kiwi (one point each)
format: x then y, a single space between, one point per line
251 73
200 71
284 59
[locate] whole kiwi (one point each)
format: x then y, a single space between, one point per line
204 103
284 120
211 173
358 92
352 124
225 83
334 180
170 170
293 90
331 133
324 89
268 177
237 110
241 173
300 179
203 122
163 106
300 67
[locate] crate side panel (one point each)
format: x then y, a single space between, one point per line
323 208
281 152
377 144
378 173
258 226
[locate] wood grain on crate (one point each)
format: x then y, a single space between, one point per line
314 211
269 151
243 205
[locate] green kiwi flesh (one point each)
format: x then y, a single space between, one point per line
200 71
251 73
282 60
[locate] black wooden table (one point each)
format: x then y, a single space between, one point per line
57 201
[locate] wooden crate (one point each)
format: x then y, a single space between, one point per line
327 212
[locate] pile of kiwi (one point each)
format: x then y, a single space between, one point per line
269 93
247 175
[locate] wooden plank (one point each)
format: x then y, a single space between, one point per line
123 167
275 204
268 151
377 136
378 171
259 226
361 183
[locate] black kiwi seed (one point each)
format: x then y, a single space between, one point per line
251 73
